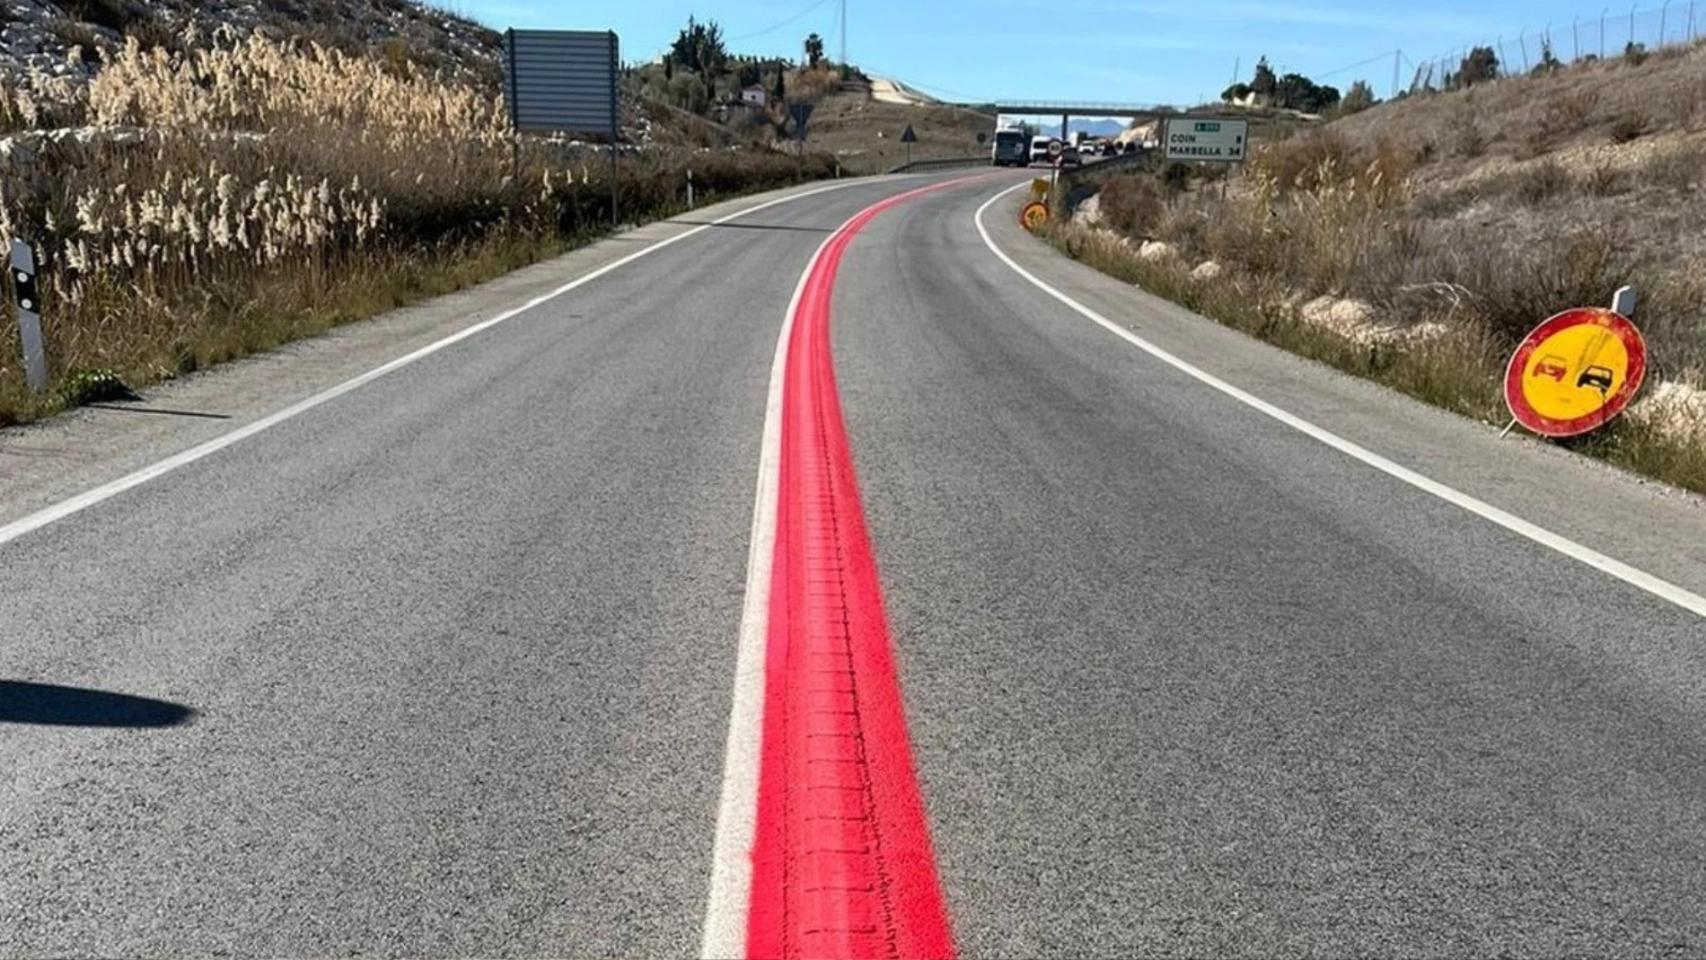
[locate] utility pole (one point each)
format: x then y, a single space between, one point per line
844 33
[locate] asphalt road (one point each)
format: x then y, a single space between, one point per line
459 644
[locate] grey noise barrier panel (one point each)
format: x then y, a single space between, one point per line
565 81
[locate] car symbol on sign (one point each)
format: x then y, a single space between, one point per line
1551 366
1599 378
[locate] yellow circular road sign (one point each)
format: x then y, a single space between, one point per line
1575 372
1034 216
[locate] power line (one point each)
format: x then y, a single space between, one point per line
1377 58
775 27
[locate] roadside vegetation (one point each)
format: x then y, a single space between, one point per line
207 197
724 97
1415 242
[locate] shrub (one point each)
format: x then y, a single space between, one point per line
1360 97
1677 168
1540 182
1628 127
1133 204
1471 142
113 14
1605 180
1297 163
1511 289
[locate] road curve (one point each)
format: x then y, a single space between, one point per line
444 665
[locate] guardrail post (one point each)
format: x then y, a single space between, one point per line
689 189
29 315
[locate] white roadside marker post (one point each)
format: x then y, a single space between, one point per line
689 189
1623 301
29 315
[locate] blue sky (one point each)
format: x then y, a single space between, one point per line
1144 51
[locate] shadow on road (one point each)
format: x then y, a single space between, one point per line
46 703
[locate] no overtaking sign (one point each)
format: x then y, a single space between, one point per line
1213 141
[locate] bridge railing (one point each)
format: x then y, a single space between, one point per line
1043 107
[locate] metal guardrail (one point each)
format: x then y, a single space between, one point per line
941 164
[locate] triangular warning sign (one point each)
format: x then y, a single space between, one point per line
909 136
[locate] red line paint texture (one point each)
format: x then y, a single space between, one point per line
842 862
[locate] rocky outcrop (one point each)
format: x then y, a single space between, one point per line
1157 251
37 36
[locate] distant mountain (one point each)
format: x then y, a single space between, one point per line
1098 128
1106 127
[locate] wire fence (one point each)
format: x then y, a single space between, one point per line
1634 32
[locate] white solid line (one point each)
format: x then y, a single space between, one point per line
724 933
106 491
1662 589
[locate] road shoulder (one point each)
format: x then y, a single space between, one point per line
45 462
1649 525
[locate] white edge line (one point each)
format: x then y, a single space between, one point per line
726 906
107 491
1662 589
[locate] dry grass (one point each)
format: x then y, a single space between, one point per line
244 193
865 133
1477 213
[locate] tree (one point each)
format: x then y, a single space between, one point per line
1265 82
1481 66
689 93
781 91
1295 91
1360 97
699 48
814 50
1235 93
1549 62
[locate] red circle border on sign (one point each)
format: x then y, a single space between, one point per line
1531 418
1027 209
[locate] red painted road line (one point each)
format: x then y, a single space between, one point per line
842 863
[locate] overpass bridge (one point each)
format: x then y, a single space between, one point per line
1067 109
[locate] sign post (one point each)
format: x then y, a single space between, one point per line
565 81
1206 141
909 138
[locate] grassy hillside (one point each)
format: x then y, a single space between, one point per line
861 132
213 195
865 133
1416 242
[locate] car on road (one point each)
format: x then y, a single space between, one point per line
1010 149
1039 149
